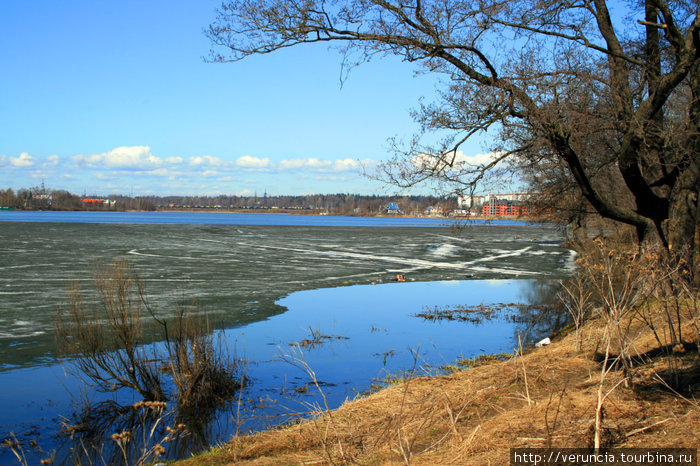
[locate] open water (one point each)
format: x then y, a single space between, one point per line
269 281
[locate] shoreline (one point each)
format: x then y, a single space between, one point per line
476 414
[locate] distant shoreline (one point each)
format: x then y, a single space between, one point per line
319 213
280 211
303 212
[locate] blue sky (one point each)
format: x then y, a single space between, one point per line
115 97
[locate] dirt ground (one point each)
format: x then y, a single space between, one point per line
547 398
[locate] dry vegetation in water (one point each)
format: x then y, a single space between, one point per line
612 380
107 341
182 380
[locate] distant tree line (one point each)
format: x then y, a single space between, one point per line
41 198
344 204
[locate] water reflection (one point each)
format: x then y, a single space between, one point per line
372 332
545 314
109 432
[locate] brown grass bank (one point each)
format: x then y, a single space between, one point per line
547 398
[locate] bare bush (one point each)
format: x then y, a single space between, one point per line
106 338
202 370
576 297
617 281
107 344
673 304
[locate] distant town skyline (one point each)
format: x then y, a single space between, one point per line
116 98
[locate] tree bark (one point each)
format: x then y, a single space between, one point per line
685 223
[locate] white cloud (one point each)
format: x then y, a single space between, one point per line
123 166
319 165
346 165
51 161
311 163
251 162
245 192
458 159
158 172
24 160
127 157
205 160
478 159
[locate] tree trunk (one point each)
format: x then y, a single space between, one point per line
684 228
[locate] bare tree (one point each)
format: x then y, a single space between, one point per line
566 84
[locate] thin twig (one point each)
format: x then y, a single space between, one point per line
639 431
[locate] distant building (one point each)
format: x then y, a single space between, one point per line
393 208
513 196
503 208
435 211
461 213
104 202
43 198
466 202
502 204
469 201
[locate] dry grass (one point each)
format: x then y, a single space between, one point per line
475 416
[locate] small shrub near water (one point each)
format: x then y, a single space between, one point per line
105 343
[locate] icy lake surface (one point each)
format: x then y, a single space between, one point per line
238 272
270 280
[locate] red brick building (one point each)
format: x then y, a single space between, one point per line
503 208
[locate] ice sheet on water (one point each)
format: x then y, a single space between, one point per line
445 249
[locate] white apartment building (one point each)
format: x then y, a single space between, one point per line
467 201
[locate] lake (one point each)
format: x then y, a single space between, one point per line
269 281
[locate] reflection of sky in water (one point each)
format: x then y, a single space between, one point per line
379 330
